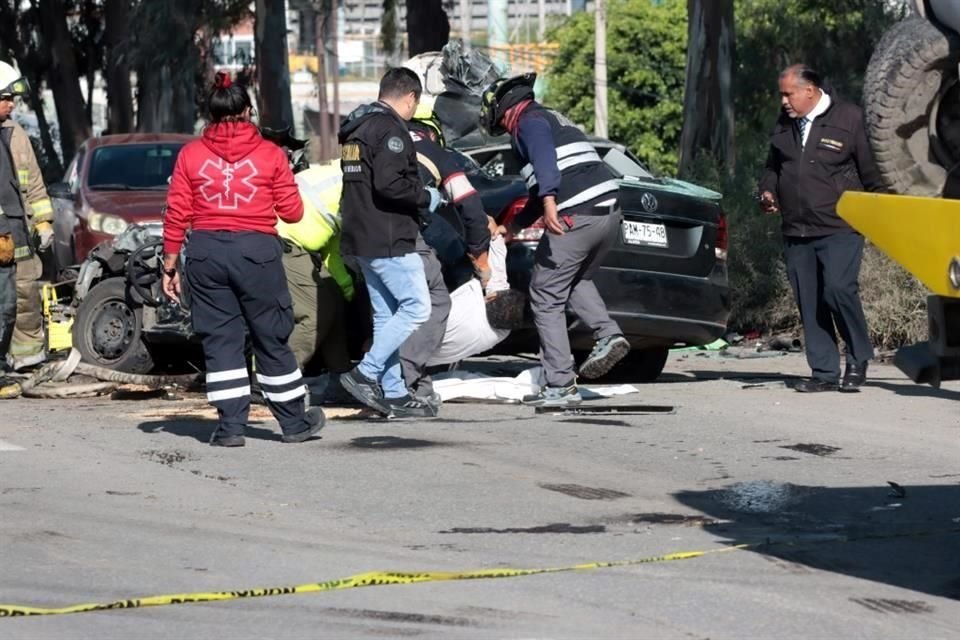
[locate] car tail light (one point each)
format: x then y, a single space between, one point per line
533 233
723 238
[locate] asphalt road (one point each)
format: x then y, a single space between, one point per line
106 499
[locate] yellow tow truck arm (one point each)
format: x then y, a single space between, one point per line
920 234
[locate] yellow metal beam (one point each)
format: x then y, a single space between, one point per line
920 234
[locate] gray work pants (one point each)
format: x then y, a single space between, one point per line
420 347
562 281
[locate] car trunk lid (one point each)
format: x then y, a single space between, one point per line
669 226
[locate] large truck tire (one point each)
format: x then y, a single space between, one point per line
911 101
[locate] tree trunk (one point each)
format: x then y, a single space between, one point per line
169 67
64 79
28 63
90 19
54 165
273 68
154 99
428 28
119 94
323 107
389 35
708 123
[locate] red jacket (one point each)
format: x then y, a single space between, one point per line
229 180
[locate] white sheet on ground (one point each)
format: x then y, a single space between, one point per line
476 386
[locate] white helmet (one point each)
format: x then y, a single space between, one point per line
11 82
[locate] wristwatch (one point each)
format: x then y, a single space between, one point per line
169 272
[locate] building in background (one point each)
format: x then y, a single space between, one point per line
361 59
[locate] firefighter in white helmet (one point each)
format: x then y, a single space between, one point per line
26 212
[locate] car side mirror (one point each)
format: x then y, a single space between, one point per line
60 190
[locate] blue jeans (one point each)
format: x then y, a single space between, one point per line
401 303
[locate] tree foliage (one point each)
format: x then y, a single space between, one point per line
646 58
836 37
170 46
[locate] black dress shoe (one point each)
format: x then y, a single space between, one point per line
854 377
815 385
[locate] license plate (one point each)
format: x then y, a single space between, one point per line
644 233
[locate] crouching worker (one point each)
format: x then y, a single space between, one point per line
319 283
228 188
576 194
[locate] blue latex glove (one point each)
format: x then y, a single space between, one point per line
435 199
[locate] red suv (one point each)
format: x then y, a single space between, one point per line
114 181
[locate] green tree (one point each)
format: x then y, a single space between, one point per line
646 60
167 47
836 37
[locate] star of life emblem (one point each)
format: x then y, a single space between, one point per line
228 183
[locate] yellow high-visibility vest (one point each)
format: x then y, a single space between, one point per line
319 229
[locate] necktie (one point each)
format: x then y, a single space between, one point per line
802 126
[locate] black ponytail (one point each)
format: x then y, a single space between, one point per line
227 101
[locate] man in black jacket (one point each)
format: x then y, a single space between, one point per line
818 150
440 245
381 207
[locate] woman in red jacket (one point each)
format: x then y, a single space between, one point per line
228 189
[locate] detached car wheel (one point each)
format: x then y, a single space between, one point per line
911 94
107 329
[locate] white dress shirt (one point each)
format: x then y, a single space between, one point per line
821 107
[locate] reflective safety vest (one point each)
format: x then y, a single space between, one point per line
586 179
319 229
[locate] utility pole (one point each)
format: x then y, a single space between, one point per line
323 109
600 70
335 56
542 30
497 30
466 15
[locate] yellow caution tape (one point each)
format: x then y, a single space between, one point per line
371 579
381 578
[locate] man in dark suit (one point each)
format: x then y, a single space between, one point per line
818 150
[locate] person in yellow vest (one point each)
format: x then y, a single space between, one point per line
319 283
28 212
